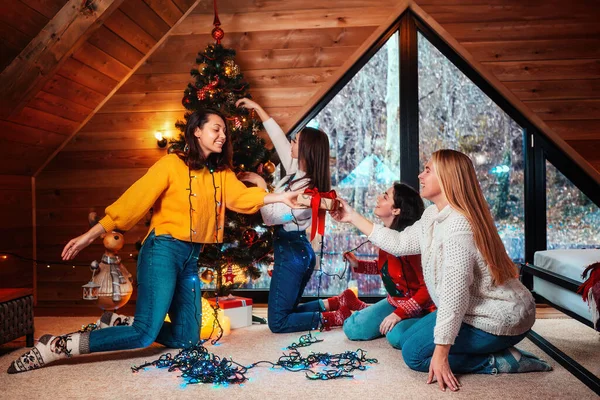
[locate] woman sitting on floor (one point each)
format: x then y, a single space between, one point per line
482 308
407 300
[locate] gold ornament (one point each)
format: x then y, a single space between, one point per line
202 67
207 276
269 167
230 68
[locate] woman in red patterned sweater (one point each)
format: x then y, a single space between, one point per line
399 207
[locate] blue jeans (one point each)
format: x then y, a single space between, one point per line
294 264
470 352
364 324
167 281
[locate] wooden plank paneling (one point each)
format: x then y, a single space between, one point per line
117 140
506 12
50 103
545 70
48 8
51 235
43 120
189 46
10 131
96 198
589 149
151 121
522 30
21 158
576 130
87 76
114 159
81 179
16 232
565 109
286 20
245 6
123 26
166 9
171 101
270 78
73 91
70 27
555 90
525 50
22 17
99 60
146 18
262 59
114 45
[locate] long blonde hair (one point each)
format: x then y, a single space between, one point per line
457 178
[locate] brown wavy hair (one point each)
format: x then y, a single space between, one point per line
313 150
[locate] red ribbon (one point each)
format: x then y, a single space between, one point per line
318 215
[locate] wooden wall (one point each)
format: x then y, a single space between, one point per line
16 231
547 52
286 61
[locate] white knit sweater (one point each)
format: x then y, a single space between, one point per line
458 278
280 213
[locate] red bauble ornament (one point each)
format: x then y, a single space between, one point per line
270 272
217 34
186 101
249 236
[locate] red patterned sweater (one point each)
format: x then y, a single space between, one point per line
403 280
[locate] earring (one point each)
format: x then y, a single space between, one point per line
186 148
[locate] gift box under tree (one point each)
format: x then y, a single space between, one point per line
238 309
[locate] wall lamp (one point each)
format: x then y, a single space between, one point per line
161 140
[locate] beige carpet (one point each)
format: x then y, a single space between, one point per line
576 340
107 376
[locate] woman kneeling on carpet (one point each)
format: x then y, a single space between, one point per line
306 162
482 308
398 208
189 191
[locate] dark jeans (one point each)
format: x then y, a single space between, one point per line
167 281
470 352
294 264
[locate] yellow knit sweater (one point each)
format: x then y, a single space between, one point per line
165 187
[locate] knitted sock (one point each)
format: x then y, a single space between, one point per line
513 360
110 318
346 299
330 319
51 348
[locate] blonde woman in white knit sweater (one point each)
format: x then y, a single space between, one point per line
483 309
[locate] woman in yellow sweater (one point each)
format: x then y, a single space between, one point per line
189 192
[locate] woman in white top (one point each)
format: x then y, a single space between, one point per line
306 162
483 309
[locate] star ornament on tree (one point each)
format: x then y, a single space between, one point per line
229 275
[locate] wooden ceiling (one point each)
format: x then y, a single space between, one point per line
98 107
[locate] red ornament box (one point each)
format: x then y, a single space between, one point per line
238 309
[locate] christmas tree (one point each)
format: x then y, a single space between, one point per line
247 242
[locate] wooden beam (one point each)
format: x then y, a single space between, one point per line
29 71
115 89
486 74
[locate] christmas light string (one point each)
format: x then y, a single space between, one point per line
198 365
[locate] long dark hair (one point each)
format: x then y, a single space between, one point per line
192 155
313 150
410 204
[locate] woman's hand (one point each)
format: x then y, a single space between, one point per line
252 178
352 260
343 211
81 242
439 369
388 323
252 105
288 198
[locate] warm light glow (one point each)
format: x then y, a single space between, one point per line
4 256
158 135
